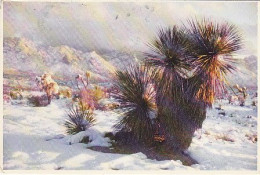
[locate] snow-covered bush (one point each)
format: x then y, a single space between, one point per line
80 119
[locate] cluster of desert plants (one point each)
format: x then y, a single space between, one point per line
81 114
186 68
86 99
91 97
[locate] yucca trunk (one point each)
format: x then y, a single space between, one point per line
178 112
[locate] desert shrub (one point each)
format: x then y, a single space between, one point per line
254 103
86 99
16 94
252 137
65 92
105 104
97 93
80 119
90 97
38 100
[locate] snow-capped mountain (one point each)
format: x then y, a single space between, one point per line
65 62
24 55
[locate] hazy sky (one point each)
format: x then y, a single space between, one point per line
124 26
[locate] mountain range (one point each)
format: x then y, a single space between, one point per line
64 62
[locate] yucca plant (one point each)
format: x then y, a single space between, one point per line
136 98
80 119
191 66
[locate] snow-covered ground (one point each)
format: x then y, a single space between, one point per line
35 139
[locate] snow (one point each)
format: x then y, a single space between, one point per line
240 152
139 161
35 138
96 138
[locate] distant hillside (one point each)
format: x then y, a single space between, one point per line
246 74
21 54
251 63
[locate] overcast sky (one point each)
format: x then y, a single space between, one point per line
122 26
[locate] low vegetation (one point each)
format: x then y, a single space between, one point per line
80 119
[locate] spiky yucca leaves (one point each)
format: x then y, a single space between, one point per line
169 51
211 47
80 119
136 98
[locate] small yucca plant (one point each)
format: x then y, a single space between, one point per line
137 101
80 119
